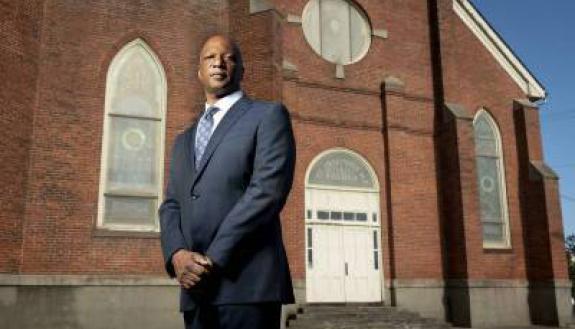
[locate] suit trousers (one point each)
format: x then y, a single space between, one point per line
234 316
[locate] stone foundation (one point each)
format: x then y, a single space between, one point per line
422 296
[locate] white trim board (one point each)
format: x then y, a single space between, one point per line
499 49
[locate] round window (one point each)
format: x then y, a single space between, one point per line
337 30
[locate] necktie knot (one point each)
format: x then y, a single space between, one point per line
211 111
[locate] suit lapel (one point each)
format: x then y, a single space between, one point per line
234 113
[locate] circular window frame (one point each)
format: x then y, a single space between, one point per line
365 18
126 135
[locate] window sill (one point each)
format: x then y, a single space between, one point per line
497 249
103 232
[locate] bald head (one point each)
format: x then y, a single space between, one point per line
220 68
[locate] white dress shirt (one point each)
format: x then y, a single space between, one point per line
224 104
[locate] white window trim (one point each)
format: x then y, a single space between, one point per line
105 139
503 184
342 222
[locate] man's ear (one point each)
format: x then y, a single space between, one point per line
199 75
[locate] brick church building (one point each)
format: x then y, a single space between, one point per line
420 180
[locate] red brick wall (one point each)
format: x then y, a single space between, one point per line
79 42
20 34
556 235
323 130
396 132
459 200
351 109
544 239
413 187
474 79
259 35
405 54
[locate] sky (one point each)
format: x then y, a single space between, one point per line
542 34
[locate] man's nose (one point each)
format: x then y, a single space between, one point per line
218 61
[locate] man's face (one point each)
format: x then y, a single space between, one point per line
220 69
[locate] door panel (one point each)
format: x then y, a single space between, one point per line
362 282
325 275
335 248
338 240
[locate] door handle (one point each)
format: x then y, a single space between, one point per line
345 268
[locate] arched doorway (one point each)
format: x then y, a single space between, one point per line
343 245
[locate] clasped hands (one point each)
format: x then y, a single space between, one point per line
190 267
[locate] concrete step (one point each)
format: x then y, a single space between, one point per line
371 317
356 316
337 325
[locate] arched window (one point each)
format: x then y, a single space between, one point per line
131 172
341 168
491 181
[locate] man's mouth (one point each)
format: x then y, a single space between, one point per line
219 75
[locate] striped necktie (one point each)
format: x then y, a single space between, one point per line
204 133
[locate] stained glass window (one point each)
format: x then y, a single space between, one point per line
491 182
341 169
132 147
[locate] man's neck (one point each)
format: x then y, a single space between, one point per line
212 98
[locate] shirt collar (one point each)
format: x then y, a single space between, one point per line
225 103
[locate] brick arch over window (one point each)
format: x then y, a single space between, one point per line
491 182
132 157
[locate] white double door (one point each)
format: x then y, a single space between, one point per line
343 263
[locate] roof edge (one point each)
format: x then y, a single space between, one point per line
499 49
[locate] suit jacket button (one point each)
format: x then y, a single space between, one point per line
195 196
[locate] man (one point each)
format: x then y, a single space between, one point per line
230 175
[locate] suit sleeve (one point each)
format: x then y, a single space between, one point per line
268 189
171 236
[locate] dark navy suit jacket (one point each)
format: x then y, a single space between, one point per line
229 208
